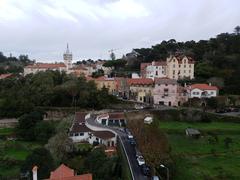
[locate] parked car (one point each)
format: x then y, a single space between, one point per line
220 111
132 141
145 170
140 160
155 178
138 154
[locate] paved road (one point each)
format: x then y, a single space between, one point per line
128 148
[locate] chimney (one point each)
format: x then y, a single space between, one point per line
185 84
34 171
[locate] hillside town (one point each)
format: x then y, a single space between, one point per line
119 90
157 82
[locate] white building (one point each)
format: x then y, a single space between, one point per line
79 132
156 70
202 91
112 119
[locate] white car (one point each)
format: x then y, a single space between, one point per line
140 160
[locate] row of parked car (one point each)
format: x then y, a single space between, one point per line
139 157
227 110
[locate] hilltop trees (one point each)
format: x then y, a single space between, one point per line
51 88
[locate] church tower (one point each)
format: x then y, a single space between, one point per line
67 57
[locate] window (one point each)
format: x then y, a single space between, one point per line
179 65
184 71
81 134
189 71
173 65
166 84
190 65
76 134
212 92
184 66
156 73
173 71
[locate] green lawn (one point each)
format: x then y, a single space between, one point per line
6 131
225 167
180 144
179 127
12 154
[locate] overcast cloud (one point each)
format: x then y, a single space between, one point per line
42 28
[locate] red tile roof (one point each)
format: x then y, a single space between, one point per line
165 81
103 78
203 87
116 115
103 134
65 173
80 117
46 65
140 81
4 76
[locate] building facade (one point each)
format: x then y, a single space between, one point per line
141 89
79 132
168 92
202 91
180 67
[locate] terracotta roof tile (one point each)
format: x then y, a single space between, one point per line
203 87
46 65
103 134
65 173
4 76
116 115
165 81
140 81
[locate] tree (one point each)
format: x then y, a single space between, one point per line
60 146
41 158
27 123
237 30
43 131
112 56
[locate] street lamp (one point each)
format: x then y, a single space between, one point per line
161 165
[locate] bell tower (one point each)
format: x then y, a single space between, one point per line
67 57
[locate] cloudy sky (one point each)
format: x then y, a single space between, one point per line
42 28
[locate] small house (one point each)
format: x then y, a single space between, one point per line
192 132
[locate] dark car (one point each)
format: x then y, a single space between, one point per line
145 170
235 110
132 141
220 111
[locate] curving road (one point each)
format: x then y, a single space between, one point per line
128 148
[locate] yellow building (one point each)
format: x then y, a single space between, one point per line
141 89
109 83
180 67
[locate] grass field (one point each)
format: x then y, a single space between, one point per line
222 167
219 127
12 154
203 159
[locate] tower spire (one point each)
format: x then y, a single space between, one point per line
67 49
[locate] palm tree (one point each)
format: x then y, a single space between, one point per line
237 30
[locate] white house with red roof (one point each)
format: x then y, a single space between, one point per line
202 91
156 69
80 132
